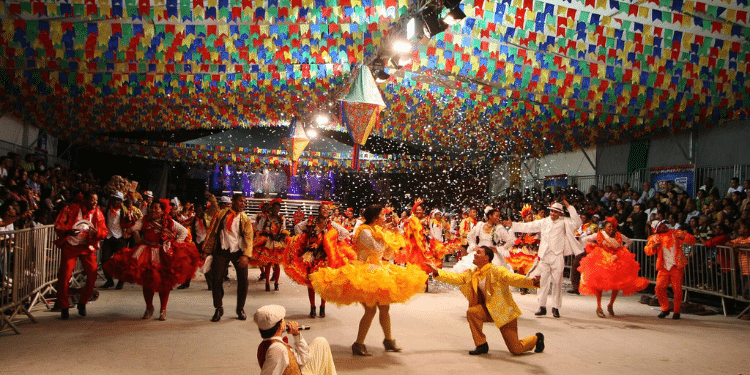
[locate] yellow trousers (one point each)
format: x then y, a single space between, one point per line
477 315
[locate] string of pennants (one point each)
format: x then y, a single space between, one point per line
538 77
202 154
360 11
282 11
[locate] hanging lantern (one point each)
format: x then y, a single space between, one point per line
360 110
295 144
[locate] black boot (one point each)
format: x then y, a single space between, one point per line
542 311
481 349
110 283
64 314
218 314
555 312
120 284
322 311
268 287
312 312
81 308
539 343
276 286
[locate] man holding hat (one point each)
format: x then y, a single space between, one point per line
670 263
557 240
115 240
275 357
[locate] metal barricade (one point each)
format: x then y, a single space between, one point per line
647 263
29 262
741 276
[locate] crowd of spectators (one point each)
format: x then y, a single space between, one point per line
32 193
636 209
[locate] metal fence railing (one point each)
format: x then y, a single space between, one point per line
28 269
720 271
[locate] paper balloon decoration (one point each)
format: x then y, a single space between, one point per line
296 143
360 110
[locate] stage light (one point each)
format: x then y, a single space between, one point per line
401 46
450 4
381 77
411 28
454 16
433 25
321 119
312 133
404 60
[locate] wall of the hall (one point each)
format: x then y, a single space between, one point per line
719 146
15 136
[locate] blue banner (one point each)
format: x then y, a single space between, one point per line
555 183
683 177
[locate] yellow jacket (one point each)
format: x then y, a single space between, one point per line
499 301
246 227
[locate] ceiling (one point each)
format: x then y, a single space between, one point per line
519 77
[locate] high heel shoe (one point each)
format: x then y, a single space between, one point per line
610 310
360 349
322 312
600 313
148 313
390 346
312 312
163 315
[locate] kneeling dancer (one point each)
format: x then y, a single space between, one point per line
488 292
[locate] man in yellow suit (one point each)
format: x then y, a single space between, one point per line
488 292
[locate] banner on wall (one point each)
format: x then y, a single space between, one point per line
682 175
555 183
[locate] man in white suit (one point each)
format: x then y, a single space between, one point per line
557 240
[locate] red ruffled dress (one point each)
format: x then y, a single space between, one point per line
312 250
523 254
417 250
158 262
601 271
271 241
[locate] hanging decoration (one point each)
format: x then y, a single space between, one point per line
295 144
360 109
525 77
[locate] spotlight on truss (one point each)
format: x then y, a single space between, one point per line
454 16
433 24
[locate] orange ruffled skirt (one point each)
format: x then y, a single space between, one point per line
267 251
600 271
299 266
520 260
370 284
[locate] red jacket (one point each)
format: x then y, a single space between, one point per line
673 237
71 214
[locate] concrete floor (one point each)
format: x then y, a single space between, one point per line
431 328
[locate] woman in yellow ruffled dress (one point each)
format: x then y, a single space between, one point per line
370 281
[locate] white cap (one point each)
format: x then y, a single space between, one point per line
118 195
557 207
267 316
225 199
656 223
148 193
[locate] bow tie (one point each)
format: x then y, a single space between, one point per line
480 273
